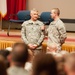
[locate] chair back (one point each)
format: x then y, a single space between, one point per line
45 17
23 15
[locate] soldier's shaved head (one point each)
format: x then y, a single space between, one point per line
56 11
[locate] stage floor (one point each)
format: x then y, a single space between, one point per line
15 36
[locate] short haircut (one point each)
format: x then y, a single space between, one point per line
70 62
19 53
2 67
44 63
56 11
34 10
4 53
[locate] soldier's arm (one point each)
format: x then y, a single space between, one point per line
23 34
46 30
42 26
41 38
62 33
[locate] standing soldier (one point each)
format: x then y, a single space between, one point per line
56 30
32 32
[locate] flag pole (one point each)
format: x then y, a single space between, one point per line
3 11
0 21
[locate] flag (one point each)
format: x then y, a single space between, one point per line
3 7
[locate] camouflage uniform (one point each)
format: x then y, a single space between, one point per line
31 32
56 33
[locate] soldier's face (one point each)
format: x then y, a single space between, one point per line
34 15
53 15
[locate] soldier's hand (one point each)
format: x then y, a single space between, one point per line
31 46
35 46
42 27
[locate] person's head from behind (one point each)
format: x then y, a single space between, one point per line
4 54
44 64
70 64
52 47
34 14
55 12
2 66
19 53
60 63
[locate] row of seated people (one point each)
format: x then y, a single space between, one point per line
21 61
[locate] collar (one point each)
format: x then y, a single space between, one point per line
33 22
54 22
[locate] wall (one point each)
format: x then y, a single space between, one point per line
67 7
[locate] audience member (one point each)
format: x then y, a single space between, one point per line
44 64
70 64
2 66
19 57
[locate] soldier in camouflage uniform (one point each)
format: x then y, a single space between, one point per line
32 32
56 30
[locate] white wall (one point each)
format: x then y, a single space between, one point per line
67 7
